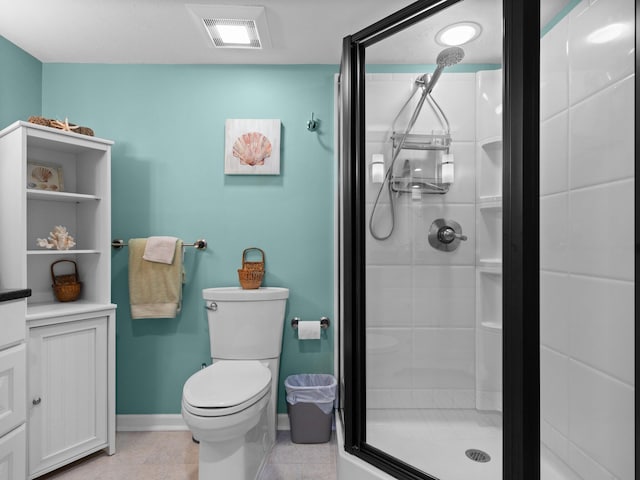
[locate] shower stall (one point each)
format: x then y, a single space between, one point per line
487 322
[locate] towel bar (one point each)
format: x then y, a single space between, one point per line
200 244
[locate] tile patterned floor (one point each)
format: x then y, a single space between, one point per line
173 456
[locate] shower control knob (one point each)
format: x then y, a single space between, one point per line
445 235
448 235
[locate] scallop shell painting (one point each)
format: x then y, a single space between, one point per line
252 147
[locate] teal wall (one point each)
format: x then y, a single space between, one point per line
20 84
167 179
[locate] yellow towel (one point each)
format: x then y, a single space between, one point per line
155 289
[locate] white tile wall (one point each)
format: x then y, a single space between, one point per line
421 301
587 289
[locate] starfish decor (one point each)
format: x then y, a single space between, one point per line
63 125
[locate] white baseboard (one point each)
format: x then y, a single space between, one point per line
150 423
169 422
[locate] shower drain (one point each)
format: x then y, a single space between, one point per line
477 455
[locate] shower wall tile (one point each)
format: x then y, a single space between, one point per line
389 296
443 296
424 216
389 357
444 358
599 422
557 443
601 230
385 97
554 311
554 70
601 46
554 154
602 315
455 93
602 136
396 250
554 389
554 233
585 466
395 398
488 104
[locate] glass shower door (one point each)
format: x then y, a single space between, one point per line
429 247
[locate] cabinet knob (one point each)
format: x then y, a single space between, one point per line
36 401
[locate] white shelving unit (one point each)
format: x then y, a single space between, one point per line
80 332
489 240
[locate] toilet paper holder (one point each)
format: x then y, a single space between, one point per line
324 322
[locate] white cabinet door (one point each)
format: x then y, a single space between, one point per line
13 387
67 392
12 455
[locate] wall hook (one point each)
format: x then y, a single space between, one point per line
312 125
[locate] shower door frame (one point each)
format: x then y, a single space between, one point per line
521 273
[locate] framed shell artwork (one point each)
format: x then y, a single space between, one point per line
252 147
42 176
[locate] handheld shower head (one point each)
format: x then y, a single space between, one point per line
446 58
450 56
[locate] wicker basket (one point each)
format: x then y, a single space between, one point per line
252 265
66 287
251 273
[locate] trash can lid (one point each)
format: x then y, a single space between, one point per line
227 383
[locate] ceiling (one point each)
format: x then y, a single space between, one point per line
301 31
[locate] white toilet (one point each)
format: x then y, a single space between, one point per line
230 406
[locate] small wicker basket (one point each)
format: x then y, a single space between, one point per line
251 273
66 287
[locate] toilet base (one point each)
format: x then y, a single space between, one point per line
239 459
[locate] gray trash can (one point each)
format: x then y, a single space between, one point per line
310 400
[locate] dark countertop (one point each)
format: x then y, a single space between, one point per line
7 294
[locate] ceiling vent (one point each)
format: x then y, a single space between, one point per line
232 33
230 26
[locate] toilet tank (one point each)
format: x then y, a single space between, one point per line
245 324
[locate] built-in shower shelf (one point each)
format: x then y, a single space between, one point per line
490 201
490 262
492 326
491 143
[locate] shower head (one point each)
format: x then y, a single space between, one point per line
450 56
446 58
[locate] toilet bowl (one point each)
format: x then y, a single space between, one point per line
226 399
230 406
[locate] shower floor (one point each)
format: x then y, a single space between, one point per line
435 440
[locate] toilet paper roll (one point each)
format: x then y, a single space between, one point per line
309 330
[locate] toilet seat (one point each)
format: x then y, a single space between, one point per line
226 387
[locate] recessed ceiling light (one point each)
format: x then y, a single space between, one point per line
232 33
607 33
458 33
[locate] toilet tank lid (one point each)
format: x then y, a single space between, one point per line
237 294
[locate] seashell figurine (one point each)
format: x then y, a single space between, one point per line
252 148
42 174
59 239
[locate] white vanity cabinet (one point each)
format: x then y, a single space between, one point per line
70 346
69 369
12 389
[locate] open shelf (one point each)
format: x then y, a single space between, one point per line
61 252
60 196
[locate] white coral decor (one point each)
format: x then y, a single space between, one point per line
59 239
